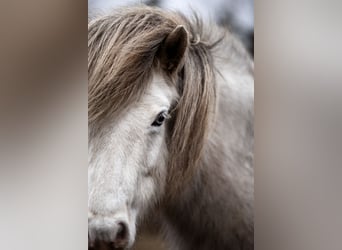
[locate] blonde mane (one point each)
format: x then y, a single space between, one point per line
123 52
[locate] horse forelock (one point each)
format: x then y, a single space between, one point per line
122 56
195 112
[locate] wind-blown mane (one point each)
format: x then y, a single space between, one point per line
124 51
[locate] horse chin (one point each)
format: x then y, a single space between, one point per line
104 245
101 245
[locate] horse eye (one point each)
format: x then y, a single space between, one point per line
159 119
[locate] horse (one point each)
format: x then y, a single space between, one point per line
170 131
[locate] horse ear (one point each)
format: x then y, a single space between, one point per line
173 49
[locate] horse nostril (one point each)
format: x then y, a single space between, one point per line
121 231
121 238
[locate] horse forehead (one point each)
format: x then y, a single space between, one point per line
159 92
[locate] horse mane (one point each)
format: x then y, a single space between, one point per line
122 55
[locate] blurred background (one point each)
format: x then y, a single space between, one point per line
44 124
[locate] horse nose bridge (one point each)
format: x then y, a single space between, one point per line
106 206
106 193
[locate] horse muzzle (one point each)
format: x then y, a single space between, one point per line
108 233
